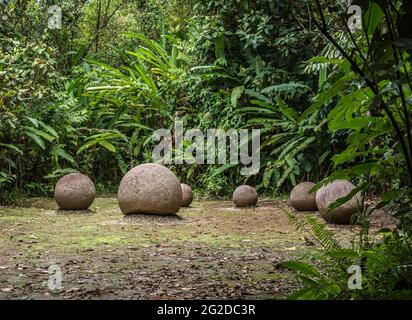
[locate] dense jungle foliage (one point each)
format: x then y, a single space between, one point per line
330 103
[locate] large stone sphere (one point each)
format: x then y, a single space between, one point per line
74 191
245 196
187 195
328 194
150 188
301 199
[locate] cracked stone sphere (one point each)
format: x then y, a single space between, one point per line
245 196
301 199
328 194
150 188
187 195
74 191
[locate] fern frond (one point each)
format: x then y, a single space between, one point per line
322 235
316 229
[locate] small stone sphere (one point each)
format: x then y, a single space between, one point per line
301 199
245 196
333 191
150 188
187 195
74 191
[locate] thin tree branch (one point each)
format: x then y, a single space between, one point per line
371 84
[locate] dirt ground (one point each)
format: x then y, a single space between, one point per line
209 251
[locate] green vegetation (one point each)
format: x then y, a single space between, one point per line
330 103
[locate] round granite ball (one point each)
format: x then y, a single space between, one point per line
187 195
245 196
301 199
333 191
150 188
74 191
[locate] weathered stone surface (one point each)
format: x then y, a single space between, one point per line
328 194
301 199
74 191
245 196
187 195
150 188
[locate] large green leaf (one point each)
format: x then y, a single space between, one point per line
115 71
291 89
49 129
373 17
220 47
356 171
108 145
325 96
13 147
37 139
288 112
41 133
63 154
352 124
222 169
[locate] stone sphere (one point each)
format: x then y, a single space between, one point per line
301 199
74 191
187 195
328 194
150 188
245 196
